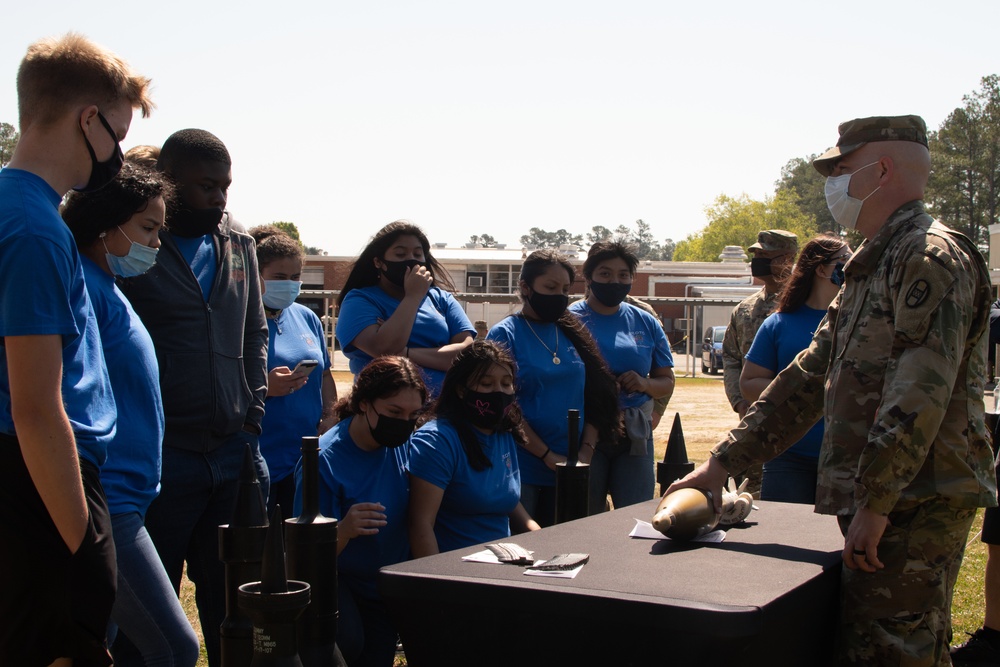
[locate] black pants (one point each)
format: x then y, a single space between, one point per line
54 604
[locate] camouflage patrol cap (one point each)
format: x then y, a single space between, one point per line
775 240
856 133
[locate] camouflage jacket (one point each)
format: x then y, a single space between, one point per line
897 370
747 317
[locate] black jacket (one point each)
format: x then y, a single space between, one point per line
212 356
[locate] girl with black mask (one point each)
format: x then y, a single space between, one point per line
465 482
363 484
392 303
635 347
559 368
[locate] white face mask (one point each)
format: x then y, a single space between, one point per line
844 208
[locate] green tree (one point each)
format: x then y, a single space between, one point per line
964 187
542 239
484 240
667 250
8 139
798 176
598 233
289 228
736 221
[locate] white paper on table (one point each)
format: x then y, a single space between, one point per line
644 530
558 574
486 556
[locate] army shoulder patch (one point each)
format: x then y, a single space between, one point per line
918 293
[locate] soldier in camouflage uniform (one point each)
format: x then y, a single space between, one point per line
897 371
773 257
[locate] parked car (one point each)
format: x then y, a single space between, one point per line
711 350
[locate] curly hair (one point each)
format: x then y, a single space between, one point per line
88 214
364 273
600 394
274 243
470 365
384 377
815 253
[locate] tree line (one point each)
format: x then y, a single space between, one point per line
963 192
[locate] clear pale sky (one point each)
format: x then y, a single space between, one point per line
470 117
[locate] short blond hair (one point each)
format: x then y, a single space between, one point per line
59 73
143 154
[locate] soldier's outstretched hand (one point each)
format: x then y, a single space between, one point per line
709 476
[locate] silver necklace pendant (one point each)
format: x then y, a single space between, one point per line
555 360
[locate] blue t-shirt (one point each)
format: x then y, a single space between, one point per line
476 503
780 338
439 319
349 475
42 292
199 253
296 335
630 340
545 391
131 475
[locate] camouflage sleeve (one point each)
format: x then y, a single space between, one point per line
732 361
933 301
785 411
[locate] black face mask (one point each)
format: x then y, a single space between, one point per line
760 267
610 294
548 307
391 432
488 410
102 173
194 222
395 272
837 278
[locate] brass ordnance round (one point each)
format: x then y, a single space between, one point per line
685 514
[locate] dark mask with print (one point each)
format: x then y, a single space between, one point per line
837 278
548 307
102 173
194 222
610 294
488 410
760 267
391 432
395 272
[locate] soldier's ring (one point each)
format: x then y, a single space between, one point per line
860 552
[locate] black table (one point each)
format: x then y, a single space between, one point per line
767 595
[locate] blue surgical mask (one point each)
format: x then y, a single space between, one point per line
837 277
140 258
280 294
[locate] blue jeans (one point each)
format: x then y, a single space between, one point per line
629 479
146 608
789 478
197 495
366 635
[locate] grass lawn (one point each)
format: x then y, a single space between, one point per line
706 417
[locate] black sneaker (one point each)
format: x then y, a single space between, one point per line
976 652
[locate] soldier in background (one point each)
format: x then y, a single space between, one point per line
983 647
773 259
897 371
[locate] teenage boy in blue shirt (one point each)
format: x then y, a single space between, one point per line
57 412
